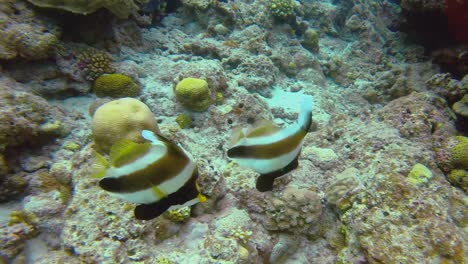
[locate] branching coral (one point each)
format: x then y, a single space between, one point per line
94 63
282 8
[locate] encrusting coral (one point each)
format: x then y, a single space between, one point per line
124 118
115 85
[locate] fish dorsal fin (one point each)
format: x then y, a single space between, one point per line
236 135
262 128
155 139
125 151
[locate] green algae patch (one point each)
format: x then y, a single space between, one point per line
419 174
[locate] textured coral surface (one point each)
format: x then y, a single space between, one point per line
382 174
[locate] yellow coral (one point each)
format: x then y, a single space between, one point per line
459 178
419 174
124 118
179 215
460 153
184 121
115 85
164 260
240 234
194 94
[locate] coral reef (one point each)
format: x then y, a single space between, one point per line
448 87
121 119
21 227
417 115
345 189
311 40
451 153
115 85
381 177
194 94
120 8
461 107
294 210
27 119
26 33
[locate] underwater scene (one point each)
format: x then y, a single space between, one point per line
235 131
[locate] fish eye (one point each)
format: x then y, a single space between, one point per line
250 120
229 121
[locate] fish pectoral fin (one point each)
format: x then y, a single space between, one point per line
150 211
265 183
236 136
261 128
124 150
99 166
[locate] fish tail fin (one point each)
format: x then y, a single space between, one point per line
265 183
305 114
100 166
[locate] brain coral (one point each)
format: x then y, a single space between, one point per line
121 119
120 8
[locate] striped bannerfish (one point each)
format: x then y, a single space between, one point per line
158 175
270 150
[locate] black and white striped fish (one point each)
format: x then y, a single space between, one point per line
270 150
159 175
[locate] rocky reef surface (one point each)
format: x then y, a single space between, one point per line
382 175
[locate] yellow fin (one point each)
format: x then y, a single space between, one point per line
99 166
159 193
236 135
201 198
126 151
262 128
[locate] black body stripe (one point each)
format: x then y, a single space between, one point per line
167 167
184 194
268 151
